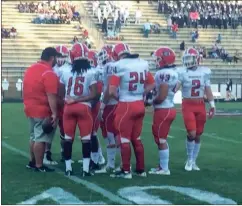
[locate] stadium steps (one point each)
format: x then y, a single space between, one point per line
134 37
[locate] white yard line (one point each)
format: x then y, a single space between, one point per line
89 185
206 134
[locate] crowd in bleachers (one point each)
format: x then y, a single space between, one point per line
51 12
217 14
8 33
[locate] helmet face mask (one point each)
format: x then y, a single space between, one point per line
191 58
61 60
102 57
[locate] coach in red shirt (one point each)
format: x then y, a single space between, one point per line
40 88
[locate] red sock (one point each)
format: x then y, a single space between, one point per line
126 156
139 154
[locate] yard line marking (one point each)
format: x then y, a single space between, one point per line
89 185
206 134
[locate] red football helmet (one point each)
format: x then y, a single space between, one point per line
105 54
164 56
79 51
191 58
92 57
119 49
64 51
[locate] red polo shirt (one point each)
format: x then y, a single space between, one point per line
39 79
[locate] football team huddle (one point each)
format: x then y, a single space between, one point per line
111 88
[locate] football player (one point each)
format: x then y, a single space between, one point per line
61 64
195 83
107 110
96 155
164 112
81 88
131 75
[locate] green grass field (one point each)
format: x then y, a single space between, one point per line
220 162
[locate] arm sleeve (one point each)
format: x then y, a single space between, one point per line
51 82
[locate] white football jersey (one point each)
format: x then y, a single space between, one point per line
170 77
107 71
194 81
59 70
133 74
78 85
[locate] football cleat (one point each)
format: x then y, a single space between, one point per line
87 174
122 174
159 171
188 166
195 167
44 169
68 173
101 160
140 173
48 159
105 169
31 165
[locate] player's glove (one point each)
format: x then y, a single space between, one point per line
148 100
212 109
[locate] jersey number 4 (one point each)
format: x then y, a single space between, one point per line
196 84
137 78
78 86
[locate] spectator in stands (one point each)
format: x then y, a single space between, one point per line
99 15
85 34
219 39
5 33
95 6
182 47
126 15
13 32
169 24
75 40
174 30
236 56
21 7
138 15
117 27
147 27
224 54
105 26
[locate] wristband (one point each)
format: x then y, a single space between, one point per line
212 104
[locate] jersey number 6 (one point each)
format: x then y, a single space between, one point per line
136 78
195 85
78 86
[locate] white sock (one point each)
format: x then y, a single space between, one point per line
95 157
111 153
86 163
68 165
196 151
190 148
100 152
164 159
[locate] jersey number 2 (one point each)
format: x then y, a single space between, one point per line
136 78
195 85
78 86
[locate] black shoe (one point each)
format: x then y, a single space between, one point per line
68 173
48 156
44 169
31 165
87 174
94 166
62 157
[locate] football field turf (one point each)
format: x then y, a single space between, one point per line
218 182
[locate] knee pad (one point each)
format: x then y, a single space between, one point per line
67 149
94 143
86 148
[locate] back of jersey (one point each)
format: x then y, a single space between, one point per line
170 77
78 85
132 74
